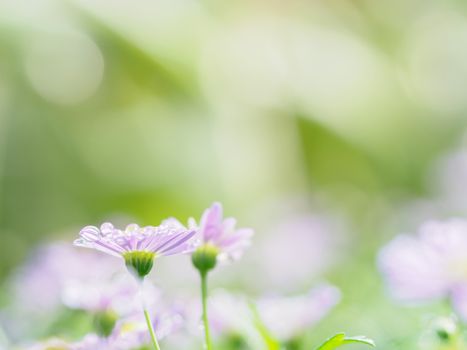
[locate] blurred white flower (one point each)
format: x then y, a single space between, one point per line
115 294
288 317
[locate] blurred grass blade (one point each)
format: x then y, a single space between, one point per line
268 338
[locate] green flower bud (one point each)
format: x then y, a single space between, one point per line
104 322
204 257
139 262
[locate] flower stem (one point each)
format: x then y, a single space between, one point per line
151 330
141 296
204 299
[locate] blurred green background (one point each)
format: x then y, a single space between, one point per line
149 109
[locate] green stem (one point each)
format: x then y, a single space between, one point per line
204 298
151 330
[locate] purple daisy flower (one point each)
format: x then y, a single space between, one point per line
220 241
429 266
220 235
138 246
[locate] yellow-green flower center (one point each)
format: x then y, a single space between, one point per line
139 262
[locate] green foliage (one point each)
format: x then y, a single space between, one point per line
233 341
340 339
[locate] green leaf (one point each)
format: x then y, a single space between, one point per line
270 342
340 339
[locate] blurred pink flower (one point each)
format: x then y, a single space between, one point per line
129 333
229 315
285 317
430 265
221 233
132 333
288 317
53 343
50 269
298 247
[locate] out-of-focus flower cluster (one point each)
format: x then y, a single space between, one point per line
72 299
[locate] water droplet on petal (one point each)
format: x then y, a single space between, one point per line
90 233
107 228
131 228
